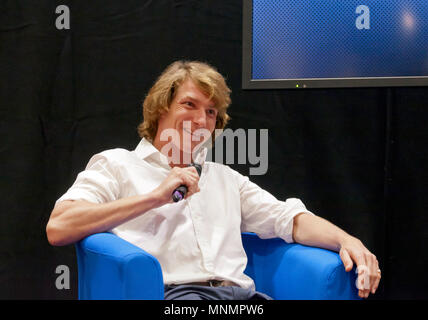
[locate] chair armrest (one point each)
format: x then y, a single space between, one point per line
293 271
112 268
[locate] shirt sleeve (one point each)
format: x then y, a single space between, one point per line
264 214
97 183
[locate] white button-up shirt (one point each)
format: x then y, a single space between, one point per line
196 239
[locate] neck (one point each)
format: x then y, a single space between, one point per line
176 157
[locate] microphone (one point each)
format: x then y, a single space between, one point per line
181 191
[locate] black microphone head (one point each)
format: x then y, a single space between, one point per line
197 166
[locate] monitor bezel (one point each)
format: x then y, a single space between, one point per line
306 83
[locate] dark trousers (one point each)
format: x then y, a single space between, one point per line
197 292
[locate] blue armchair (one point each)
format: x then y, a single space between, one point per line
112 268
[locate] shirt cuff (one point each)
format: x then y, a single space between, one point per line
78 195
285 227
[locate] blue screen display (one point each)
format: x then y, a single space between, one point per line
312 39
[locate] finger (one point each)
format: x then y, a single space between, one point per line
192 185
365 281
192 171
346 259
363 293
361 263
376 283
188 172
376 275
374 267
363 274
191 192
373 276
368 275
362 281
191 180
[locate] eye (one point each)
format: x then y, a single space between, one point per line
212 112
189 103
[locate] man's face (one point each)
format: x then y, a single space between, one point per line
191 118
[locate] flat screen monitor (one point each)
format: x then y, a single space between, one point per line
334 43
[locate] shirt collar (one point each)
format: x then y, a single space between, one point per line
145 150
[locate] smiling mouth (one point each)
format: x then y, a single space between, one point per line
193 135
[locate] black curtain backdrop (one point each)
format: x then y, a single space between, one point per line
356 157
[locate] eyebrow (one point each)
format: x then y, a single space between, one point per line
196 100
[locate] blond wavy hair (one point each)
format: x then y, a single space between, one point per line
161 94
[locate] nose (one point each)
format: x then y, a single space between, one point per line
200 118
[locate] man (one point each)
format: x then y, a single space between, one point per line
198 240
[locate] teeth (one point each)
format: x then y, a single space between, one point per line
191 133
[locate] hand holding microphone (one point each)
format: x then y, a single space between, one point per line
181 191
181 182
